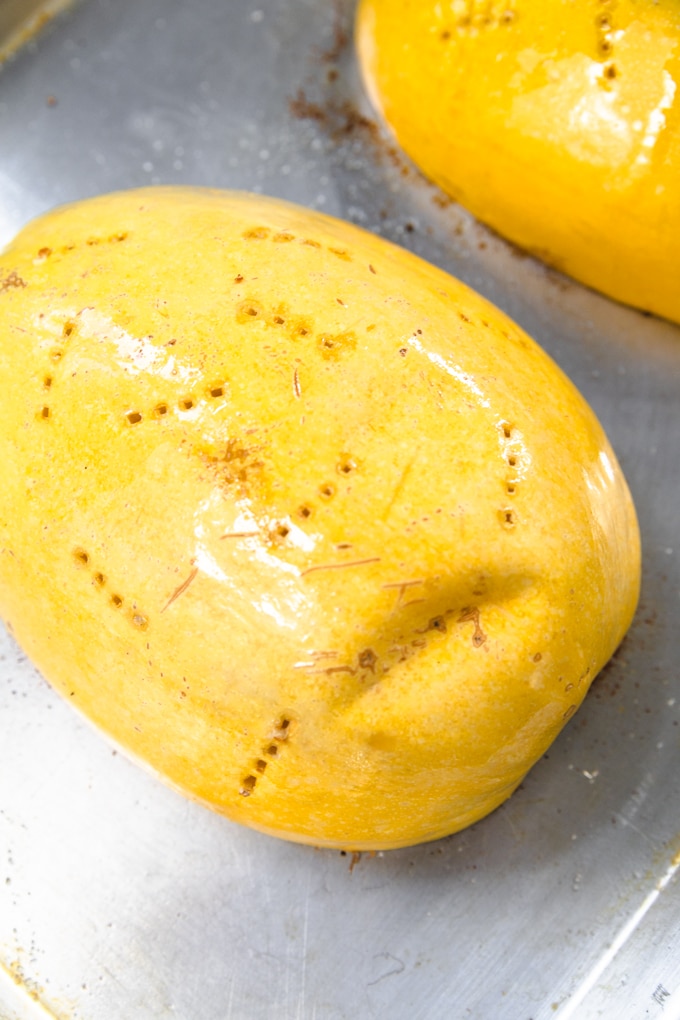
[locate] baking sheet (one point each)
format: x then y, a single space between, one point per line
118 898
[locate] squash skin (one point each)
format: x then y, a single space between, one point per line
302 523
555 123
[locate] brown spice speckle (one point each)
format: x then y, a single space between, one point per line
339 566
181 589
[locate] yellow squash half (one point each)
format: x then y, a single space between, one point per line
555 122
299 520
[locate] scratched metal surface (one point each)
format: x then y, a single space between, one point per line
120 899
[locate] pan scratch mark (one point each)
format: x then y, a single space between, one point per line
230 1000
398 968
302 994
181 589
297 390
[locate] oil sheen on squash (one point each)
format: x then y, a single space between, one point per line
298 520
556 123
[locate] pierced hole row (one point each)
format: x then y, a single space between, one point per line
116 601
67 330
475 20
280 733
45 253
345 466
184 404
55 356
326 492
249 310
330 345
604 30
512 461
284 236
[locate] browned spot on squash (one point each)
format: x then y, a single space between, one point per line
334 346
11 282
233 464
256 234
368 659
341 253
471 614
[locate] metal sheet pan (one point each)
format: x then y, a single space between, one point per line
120 899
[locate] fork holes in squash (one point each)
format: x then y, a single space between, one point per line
281 729
507 516
346 465
248 785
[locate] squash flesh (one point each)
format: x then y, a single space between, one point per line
309 528
557 124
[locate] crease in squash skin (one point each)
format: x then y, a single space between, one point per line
554 123
340 569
